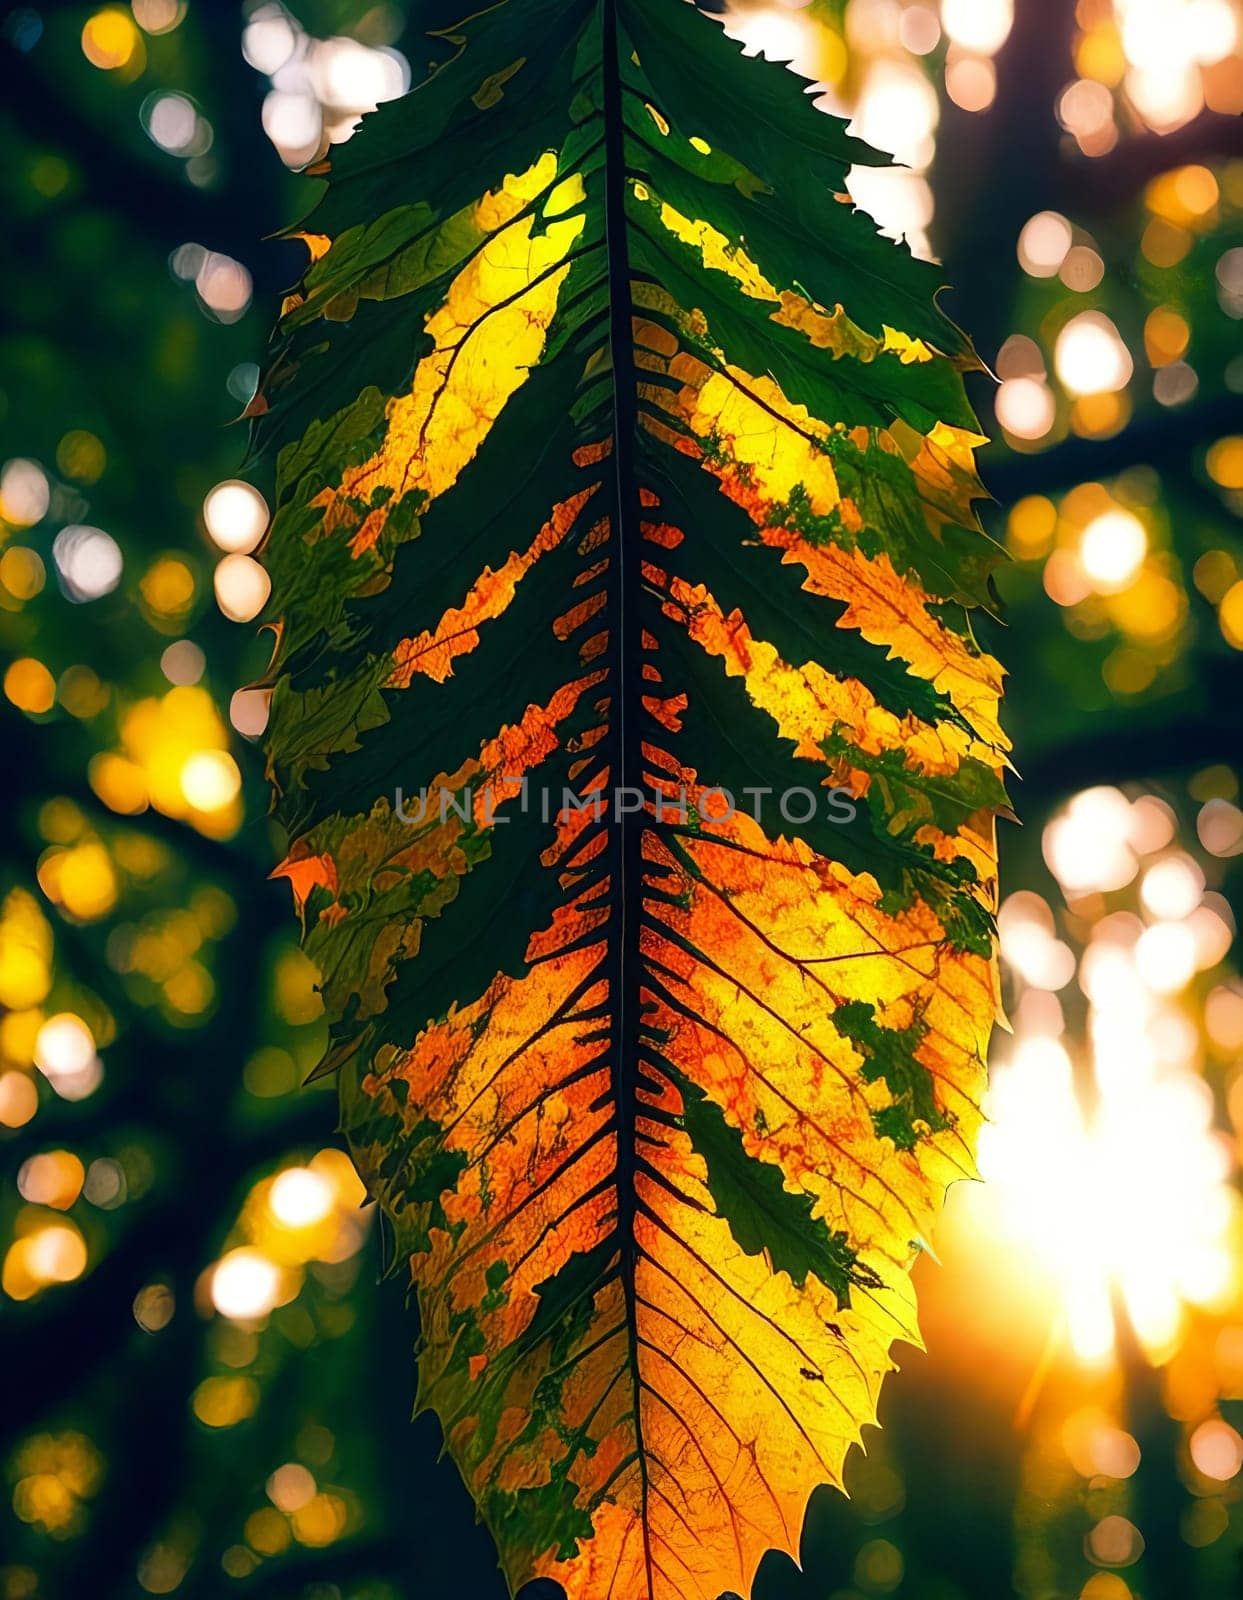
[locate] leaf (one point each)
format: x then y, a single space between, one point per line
621 464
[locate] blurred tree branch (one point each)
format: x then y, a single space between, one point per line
346 1562
1100 183
162 206
1160 438
66 1337
1130 747
1002 160
167 208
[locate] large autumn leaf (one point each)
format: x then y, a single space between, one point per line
626 473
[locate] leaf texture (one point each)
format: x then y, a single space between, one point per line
624 472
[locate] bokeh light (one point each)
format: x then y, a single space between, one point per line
89 561
236 516
245 1285
242 587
